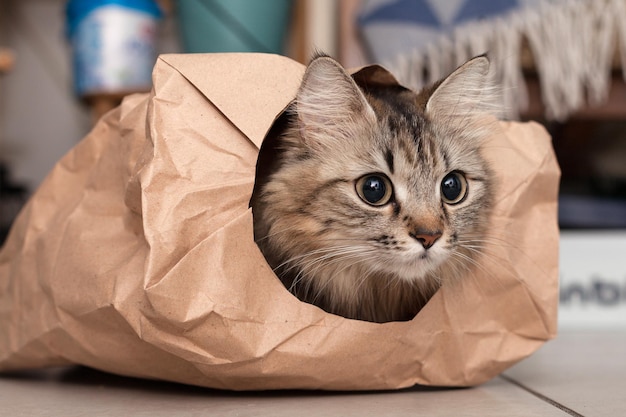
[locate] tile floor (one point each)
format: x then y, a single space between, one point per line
579 373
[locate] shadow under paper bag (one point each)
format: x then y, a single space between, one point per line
136 255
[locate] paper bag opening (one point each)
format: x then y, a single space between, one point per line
136 255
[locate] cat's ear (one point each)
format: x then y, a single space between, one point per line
329 104
469 91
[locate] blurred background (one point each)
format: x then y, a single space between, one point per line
561 62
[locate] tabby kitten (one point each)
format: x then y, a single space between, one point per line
369 197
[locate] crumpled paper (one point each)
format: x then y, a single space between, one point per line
136 255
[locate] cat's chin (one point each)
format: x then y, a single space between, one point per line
418 266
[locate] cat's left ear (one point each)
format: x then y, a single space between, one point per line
330 105
469 91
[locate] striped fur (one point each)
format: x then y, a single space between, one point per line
328 246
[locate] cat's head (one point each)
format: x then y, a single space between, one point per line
378 180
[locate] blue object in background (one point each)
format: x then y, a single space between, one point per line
393 28
403 11
77 10
234 25
113 43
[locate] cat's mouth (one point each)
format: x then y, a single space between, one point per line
415 264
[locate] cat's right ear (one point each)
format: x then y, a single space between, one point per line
330 105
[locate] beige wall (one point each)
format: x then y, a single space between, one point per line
39 118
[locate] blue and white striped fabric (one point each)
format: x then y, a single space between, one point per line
391 27
572 41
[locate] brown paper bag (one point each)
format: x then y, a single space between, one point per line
136 255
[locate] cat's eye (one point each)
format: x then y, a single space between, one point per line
374 189
453 188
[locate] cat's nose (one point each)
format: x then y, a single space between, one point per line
426 238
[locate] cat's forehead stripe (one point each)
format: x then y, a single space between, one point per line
446 160
405 124
389 159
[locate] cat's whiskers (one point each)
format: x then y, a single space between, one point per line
506 241
311 261
483 256
308 265
276 233
488 256
348 259
359 257
327 252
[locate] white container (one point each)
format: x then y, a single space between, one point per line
593 280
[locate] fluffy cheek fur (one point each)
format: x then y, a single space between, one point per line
308 208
